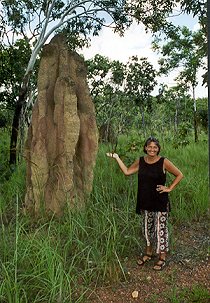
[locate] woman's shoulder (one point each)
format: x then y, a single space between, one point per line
165 159
166 162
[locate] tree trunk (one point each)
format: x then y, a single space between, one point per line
176 120
143 120
195 116
14 134
16 120
195 126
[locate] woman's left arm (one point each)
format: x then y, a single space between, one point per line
171 168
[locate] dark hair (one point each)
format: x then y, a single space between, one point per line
148 141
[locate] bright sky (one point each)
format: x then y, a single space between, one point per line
137 42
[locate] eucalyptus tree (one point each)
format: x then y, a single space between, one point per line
36 21
157 15
178 106
121 92
140 82
183 51
98 70
107 80
202 106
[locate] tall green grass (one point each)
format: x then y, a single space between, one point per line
60 260
190 199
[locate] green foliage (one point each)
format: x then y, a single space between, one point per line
121 92
76 19
202 104
154 14
190 199
182 137
184 48
11 180
123 102
140 80
4 153
13 62
202 113
175 110
130 146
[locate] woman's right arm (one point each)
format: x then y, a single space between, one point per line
126 170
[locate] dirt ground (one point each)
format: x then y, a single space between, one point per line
187 267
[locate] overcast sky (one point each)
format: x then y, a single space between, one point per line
137 42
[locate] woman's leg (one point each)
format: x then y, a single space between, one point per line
162 238
148 231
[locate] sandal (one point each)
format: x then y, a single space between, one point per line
144 259
160 264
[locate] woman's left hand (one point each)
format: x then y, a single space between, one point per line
163 189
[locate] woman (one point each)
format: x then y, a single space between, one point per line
152 198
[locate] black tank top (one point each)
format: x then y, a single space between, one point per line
149 176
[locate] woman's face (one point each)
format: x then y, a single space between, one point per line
152 149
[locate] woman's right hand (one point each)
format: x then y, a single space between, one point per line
113 155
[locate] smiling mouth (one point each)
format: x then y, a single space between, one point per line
152 152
